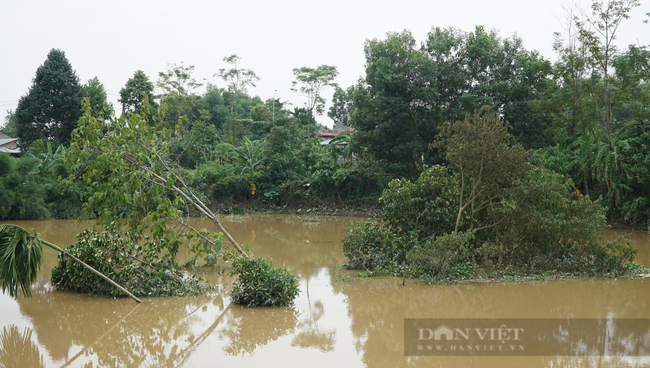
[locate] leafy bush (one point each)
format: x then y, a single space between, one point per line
117 255
259 284
425 206
445 255
220 182
615 258
370 245
22 193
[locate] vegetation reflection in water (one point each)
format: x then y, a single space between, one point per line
338 319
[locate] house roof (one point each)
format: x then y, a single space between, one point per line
8 142
332 135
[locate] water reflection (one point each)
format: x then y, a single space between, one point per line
17 348
378 308
115 332
248 329
310 335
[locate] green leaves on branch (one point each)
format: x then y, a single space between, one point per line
425 207
479 149
125 163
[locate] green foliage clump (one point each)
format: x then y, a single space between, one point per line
22 193
115 254
495 209
443 256
424 206
259 284
30 189
370 245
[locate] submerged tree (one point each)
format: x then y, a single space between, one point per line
132 181
480 149
20 260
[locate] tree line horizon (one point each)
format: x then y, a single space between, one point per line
584 116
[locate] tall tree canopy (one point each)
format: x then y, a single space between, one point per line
137 89
410 88
95 92
177 86
52 106
238 81
310 82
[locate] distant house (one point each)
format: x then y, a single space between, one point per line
8 144
326 137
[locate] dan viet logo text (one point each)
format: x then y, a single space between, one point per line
527 337
443 332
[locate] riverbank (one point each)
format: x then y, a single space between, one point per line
374 210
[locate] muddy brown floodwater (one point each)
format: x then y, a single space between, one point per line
338 320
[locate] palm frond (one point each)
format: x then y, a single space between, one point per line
20 259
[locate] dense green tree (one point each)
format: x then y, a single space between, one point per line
393 115
136 90
252 157
410 89
311 82
285 136
481 68
597 33
94 91
52 105
197 145
214 103
598 105
424 207
22 197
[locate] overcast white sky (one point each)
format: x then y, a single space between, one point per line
113 39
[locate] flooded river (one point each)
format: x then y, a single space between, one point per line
338 320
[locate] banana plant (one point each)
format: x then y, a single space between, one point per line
49 159
252 155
